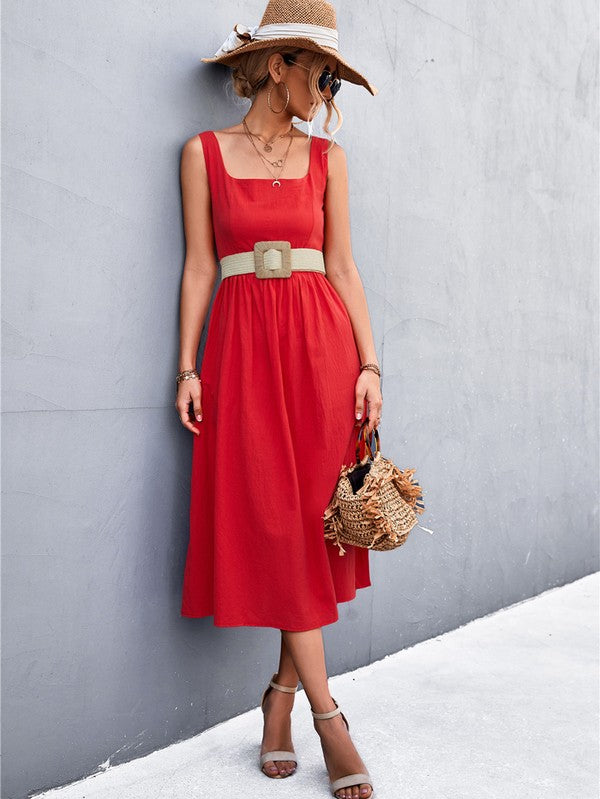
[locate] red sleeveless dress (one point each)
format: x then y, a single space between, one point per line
278 374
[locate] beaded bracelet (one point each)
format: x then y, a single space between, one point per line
372 367
187 374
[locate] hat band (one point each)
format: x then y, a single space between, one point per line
321 34
328 37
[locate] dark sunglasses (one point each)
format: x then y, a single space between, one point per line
326 78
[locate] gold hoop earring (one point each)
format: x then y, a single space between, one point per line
286 102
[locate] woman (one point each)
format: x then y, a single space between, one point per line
289 365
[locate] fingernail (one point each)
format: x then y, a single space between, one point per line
358 414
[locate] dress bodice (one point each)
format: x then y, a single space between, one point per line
246 210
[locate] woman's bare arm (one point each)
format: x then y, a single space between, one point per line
341 268
199 271
343 274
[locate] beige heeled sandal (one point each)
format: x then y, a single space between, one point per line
350 779
279 754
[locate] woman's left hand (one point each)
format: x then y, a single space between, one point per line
368 387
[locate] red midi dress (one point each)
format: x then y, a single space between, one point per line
278 375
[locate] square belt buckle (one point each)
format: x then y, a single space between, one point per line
273 258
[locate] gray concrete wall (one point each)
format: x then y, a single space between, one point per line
474 215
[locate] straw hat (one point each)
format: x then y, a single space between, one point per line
310 24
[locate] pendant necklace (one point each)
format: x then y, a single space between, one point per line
280 162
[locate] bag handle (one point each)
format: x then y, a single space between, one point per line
367 441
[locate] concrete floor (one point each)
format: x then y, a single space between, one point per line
505 707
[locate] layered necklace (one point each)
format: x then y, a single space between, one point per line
268 147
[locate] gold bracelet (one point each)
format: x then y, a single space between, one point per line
187 374
372 367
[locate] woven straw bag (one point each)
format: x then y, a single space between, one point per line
375 504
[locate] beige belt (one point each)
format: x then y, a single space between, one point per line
273 259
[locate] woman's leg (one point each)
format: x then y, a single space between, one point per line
307 652
277 719
287 674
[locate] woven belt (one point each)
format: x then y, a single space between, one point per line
273 259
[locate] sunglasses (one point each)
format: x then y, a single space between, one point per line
326 78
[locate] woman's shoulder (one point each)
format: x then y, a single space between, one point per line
194 142
334 157
327 144
193 152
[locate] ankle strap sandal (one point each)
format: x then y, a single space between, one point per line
349 779
278 754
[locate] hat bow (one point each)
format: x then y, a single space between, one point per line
241 34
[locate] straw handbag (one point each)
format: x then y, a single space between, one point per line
374 504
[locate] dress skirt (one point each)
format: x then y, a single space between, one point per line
278 378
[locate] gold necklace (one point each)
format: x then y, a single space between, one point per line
280 161
267 145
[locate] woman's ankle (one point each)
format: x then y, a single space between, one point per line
286 679
322 705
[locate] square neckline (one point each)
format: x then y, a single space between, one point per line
242 180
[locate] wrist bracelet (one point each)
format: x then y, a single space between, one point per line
187 374
373 367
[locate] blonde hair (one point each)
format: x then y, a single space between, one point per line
250 73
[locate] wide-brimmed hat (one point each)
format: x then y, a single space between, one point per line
310 24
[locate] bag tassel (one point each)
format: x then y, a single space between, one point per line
332 524
409 489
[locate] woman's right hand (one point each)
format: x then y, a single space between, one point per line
189 392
